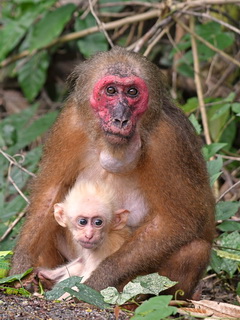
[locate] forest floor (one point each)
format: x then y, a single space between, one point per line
17 307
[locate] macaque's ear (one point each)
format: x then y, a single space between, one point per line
120 219
59 214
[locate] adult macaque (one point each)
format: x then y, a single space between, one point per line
121 127
97 229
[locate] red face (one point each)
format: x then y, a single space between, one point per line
119 103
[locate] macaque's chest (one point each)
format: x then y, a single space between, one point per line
127 192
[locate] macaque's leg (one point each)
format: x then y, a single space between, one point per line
186 266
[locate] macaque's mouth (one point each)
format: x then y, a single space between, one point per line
117 138
88 245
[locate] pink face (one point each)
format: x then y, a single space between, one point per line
89 231
119 103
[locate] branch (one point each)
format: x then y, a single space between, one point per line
198 83
100 24
229 189
13 224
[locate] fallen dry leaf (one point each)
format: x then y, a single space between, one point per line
219 309
195 312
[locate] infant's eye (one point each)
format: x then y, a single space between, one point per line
132 92
98 222
82 222
111 90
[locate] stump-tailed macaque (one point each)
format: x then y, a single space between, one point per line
120 126
97 229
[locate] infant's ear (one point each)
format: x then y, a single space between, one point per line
120 219
59 214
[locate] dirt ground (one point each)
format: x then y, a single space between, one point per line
16 307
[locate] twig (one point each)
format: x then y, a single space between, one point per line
229 189
151 45
208 16
13 161
208 44
13 224
100 24
14 184
198 83
228 157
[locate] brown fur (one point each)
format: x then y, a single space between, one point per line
176 234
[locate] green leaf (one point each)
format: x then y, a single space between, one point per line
58 289
226 209
191 105
14 30
10 36
85 293
88 295
186 70
229 226
50 26
221 111
149 284
232 241
214 167
32 75
20 119
155 308
236 108
16 277
215 262
209 150
92 43
35 130
20 291
195 123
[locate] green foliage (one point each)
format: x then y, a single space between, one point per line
32 75
211 32
92 43
4 262
84 292
16 277
17 132
155 308
149 284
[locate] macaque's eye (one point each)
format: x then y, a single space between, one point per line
111 90
82 222
97 222
132 92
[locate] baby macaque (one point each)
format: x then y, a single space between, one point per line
97 229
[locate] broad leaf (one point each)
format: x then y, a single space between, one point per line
88 295
155 308
16 277
226 209
149 284
33 73
50 26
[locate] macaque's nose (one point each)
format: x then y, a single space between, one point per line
120 123
89 233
